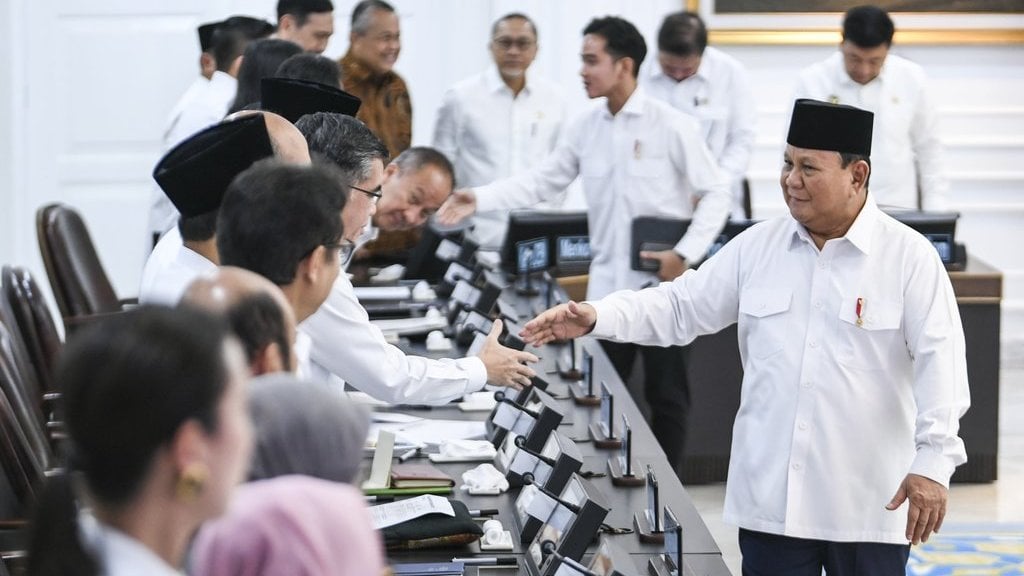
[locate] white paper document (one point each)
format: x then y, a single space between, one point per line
368 293
392 513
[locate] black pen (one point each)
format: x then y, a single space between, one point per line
483 512
474 561
380 498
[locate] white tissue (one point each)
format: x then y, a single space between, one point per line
389 273
484 478
436 341
423 292
468 449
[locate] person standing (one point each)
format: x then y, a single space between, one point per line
713 87
638 157
500 122
854 362
909 165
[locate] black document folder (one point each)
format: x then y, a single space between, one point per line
653 233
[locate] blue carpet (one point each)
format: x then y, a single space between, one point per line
970 549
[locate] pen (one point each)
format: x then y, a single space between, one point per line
408 454
483 512
474 561
380 498
860 311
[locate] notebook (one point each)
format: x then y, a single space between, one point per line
419 475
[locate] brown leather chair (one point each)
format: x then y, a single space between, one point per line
30 317
79 282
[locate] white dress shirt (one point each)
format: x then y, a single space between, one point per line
646 160
905 150
170 268
833 415
488 133
204 104
721 97
348 346
117 553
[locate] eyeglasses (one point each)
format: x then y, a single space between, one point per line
374 194
506 44
345 250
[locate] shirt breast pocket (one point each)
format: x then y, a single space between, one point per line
648 167
765 313
877 341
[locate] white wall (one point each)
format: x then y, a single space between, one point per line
81 109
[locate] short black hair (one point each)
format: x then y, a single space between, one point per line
198 228
261 60
868 26
310 67
846 158
515 16
258 321
622 39
418 157
345 141
274 214
301 9
683 34
232 36
362 12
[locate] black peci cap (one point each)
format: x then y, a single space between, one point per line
196 173
293 98
206 35
824 126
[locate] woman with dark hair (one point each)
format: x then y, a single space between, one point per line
260 60
158 436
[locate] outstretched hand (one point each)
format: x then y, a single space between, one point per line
562 322
460 205
927 506
505 366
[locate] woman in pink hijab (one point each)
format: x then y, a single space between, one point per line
294 525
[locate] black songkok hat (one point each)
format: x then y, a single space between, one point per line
825 126
293 98
196 173
206 35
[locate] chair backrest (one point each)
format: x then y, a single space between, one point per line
80 284
18 385
31 318
24 453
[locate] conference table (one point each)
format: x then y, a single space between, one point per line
701 554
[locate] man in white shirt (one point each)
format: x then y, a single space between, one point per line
207 100
638 157
308 23
713 87
908 169
500 123
854 363
344 343
194 175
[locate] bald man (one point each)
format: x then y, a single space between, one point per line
194 175
256 309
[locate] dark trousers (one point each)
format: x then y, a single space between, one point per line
665 389
771 554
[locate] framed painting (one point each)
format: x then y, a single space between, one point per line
818 21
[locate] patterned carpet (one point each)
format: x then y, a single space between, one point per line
970 549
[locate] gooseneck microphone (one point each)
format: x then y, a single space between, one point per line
520 443
548 547
528 480
499 396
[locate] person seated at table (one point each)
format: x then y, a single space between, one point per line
293 525
159 435
305 427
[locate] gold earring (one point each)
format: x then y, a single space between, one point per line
190 482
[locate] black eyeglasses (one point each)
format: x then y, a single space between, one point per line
375 194
506 44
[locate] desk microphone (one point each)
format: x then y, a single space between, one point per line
520 443
548 547
528 480
499 396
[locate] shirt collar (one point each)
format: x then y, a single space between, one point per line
118 552
494 82
634 106
860 234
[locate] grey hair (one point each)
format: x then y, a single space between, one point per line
363 13
345 141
